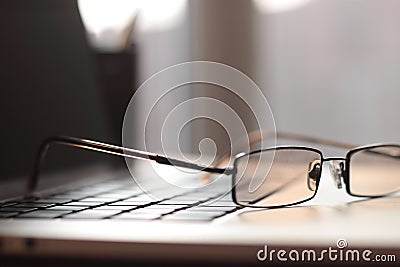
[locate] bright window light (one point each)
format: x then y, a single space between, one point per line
158 15
276 6
108 22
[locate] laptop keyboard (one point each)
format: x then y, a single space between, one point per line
119 201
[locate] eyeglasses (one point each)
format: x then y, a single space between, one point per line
277 176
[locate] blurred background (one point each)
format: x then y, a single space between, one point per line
329 68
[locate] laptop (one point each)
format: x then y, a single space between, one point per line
107 218
97 214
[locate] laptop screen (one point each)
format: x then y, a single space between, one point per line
48 83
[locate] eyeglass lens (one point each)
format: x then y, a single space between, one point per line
277 177
375 171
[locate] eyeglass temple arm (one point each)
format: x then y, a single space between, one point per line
109 149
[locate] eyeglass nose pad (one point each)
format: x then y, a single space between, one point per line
314 172
336 168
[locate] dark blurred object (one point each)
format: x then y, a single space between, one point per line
116 75
49 84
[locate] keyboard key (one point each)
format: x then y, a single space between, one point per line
43 214
73 195
120 208
128 203
140 202
7 214
84 203
136 216
182 217
101 187
208 213
55 195
143 198
191 197
88 191
32 205
7 204
114 196
96 199
67 208
52 200
71 198
224 202
16 209
127 193
158 206
219 204
153 211
92 214
175 202
208 208
207 193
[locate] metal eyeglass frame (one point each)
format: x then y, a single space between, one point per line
342 174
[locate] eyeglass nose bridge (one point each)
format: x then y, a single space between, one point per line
314 172
337 169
